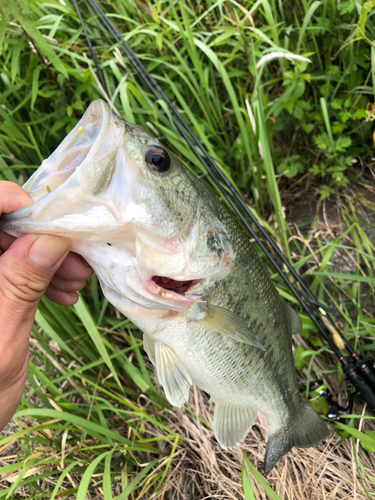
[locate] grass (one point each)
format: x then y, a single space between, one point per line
92 423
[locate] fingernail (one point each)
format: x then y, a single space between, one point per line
46 251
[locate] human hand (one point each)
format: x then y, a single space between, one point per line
30 266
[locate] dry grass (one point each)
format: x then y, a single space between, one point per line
201 469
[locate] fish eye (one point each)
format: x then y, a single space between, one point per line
157 159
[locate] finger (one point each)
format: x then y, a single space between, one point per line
26 269
5 240
13 197
60 297
65 285
74 267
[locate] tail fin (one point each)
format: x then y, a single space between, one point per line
304 430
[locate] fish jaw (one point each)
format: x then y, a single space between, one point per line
125 283
88 140
67 187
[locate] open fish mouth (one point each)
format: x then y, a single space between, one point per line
172 293
171 285
75 187
88 151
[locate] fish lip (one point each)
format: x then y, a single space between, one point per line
176 299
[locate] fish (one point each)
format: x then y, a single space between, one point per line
171 258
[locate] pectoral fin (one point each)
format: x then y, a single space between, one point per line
227 323
172 375
232 423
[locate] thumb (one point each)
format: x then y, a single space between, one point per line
26 269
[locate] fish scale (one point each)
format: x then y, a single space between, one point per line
241 380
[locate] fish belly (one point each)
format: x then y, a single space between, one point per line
230 372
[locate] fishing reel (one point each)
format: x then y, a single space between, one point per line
321 400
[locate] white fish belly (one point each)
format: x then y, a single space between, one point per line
227 370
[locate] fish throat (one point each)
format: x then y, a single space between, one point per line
180 287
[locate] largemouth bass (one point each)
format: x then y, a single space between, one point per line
170 257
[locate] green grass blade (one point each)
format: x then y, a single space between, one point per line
84 314
258 477
63 475
107 485
40 42
3 25
90 427
86 478
306 21
323 104
248 491
131 486
347 277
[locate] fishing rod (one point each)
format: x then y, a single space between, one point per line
365 384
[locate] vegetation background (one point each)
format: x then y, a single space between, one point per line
295 138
